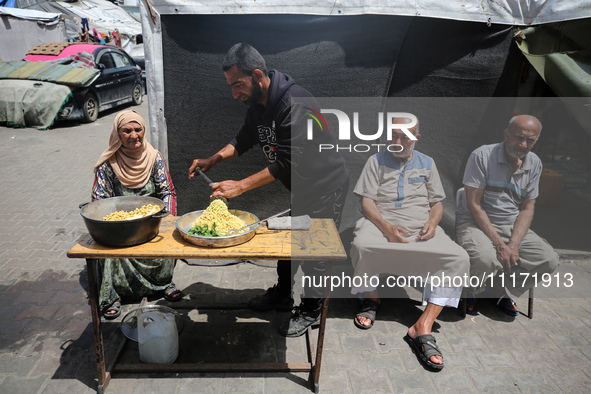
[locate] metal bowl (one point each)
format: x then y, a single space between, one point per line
119 233
185 222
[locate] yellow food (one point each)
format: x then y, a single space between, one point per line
140 212
217 212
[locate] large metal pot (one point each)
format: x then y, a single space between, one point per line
122 232
185 222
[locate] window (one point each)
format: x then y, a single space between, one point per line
120 60
106 60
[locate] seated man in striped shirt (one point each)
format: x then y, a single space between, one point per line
493 220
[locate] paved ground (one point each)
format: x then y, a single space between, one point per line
46 334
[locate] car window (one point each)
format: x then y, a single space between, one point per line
120 60
106 60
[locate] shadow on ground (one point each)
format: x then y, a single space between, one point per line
217 327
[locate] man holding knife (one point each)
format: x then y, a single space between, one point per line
318 181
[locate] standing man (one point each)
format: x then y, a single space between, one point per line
501 185
318 181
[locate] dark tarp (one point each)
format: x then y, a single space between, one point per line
336 56
561 54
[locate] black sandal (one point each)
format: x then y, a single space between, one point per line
425 347
368 310
116 308
172 294
506 305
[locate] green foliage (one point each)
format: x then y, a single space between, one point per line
205 231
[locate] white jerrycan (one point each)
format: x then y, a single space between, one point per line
158 338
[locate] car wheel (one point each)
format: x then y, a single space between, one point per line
137 94
90 108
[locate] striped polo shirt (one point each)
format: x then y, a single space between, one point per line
504 190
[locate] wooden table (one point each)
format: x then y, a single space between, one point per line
320 242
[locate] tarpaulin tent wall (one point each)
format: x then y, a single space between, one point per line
21 30
346 49
102 15
561 54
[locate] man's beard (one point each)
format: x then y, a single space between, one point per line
514 153
256 94
404 153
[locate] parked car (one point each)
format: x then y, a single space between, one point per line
120 81
141 61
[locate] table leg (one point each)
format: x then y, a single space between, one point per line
315 372
99 348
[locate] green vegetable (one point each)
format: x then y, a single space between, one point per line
205 231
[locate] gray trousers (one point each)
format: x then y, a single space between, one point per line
536 257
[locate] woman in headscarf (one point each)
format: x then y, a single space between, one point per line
130 166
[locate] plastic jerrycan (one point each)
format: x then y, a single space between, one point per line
158 338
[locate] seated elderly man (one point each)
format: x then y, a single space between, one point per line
501 185
398 234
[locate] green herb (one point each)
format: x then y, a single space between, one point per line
205 231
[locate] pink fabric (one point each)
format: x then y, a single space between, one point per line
70 50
